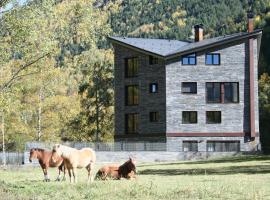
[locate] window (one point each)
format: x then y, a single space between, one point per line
231 93
222 92
189 117
190 146
131 67
153 88
212 59
189 59
132 95
189 87
131 122
154 116
223 146
213 117
153 60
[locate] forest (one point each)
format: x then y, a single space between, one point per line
56 65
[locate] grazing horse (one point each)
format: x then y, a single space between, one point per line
74 158
44 159
126 170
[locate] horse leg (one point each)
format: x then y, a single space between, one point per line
74 173
46 176
59 173
64 170
69 173
89 169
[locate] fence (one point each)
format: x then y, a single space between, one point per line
116 146
12 158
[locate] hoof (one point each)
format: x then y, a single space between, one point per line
58 179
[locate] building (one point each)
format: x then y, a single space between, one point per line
196 96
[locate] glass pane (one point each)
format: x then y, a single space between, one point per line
135 66
135 120
231 92
213 92
192 61
136 95
189 87
185 61
216 59
193 117
208 59
185 117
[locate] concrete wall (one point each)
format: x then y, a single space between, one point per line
148 102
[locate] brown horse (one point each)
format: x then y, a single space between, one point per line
126 170
74 158
45 161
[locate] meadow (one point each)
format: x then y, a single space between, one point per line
243 177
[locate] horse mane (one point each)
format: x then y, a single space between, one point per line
38 149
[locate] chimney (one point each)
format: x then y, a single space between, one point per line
198 32
250 17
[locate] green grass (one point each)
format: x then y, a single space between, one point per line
245 177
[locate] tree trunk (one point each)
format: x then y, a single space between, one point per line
3 139
97 116
39 114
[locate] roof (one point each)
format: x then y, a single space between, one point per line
171 48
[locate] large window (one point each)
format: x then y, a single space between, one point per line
131 67
153 60
154 116
190 146
189 87
212 59
131 123
132 95
189 117
153 87
223 146
222 92
189 59
213 117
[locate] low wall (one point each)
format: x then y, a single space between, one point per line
149 156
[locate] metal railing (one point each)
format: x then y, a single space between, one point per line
116 146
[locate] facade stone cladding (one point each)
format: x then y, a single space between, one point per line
170 101
234 67
148 102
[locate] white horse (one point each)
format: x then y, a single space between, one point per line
74 158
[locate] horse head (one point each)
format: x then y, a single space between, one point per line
33 154
56 152
131 164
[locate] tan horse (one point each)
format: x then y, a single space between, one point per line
74 158
44 159
126 170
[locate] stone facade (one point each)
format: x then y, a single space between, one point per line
170 101
148 102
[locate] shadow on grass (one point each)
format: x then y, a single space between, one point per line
258 169
235 159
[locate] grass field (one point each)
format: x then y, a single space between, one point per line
245 177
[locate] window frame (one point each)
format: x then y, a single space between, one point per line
189 117
213 111
133 68
189 92
212 58
189 56
154 116
222 93
226 144
150 87
190 142
135 127
133 95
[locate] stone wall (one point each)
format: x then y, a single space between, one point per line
233 68
148 102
